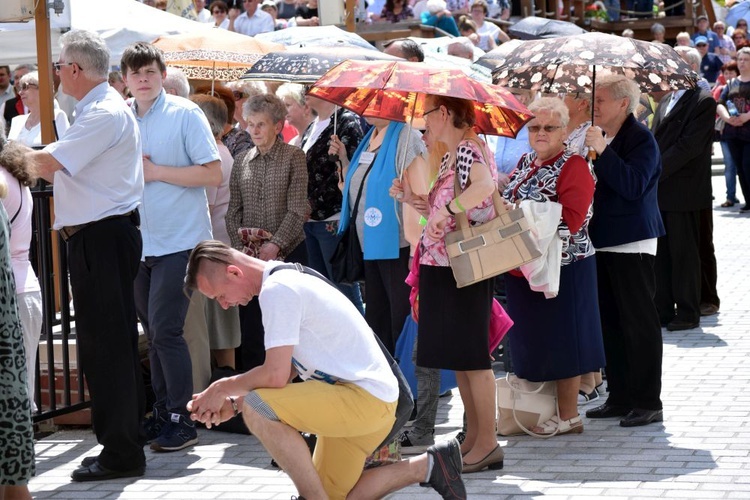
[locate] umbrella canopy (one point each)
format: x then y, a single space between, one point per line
443 60
308 64
736 12
315 36
213 54
569 64
534 28
396 91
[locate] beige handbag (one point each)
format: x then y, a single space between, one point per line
522 405
499 245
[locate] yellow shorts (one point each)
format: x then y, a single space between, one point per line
349 422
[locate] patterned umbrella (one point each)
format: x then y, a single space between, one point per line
570 64
396 91
307 65
213 54
315 36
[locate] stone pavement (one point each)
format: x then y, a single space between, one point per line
702 450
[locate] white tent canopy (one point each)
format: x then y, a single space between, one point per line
119 22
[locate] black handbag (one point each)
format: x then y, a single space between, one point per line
347 261
405 404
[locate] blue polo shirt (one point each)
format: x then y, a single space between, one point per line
175 133
713 39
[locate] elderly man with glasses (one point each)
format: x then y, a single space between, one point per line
252 22
98 159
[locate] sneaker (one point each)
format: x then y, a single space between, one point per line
584 398
154 424
460 437
445 477
177 434
412 446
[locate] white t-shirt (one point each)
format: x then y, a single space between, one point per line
332 341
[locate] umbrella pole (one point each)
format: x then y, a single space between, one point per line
213 80
406 149
592 154
335 119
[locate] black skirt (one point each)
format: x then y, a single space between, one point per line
454 322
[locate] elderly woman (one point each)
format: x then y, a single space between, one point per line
624 230
557 339
321 231
734 110
298 113
267 190
27 129
454 322
17 174
387 151
220 11
16 431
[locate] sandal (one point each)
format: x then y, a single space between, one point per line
555 426
727 204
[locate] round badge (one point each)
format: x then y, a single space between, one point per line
373 216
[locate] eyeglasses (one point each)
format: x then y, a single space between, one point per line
430 111
238 95
535 129
27 86
217 11
59 65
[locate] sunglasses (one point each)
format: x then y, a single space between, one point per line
27 86
535 129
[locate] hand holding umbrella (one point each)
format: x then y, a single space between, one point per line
595 139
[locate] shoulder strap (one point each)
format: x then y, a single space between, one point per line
355 207
20 188
462 219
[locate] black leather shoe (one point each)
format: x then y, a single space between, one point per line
88 461
638 417
709 309
608 411
677 325
446 470
95 472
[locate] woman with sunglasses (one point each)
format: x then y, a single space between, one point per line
219 12
557 338
27 129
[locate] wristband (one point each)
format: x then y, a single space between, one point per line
458 205
234 406
448 208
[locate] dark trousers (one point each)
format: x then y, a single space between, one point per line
103 260
631 330
252 350
709 275
387 297
740 151
678 268
162 305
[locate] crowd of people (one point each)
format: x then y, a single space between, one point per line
229 180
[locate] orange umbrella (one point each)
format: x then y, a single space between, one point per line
396 91
213 54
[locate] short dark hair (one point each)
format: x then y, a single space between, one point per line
731 66
6 68
210 250
140 54
462 110
220 4
409 48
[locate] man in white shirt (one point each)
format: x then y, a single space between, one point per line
349 394
252 22
6 89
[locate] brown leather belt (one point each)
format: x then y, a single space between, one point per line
66 232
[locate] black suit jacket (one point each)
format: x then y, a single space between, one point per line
685 138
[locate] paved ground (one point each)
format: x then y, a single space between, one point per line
701 451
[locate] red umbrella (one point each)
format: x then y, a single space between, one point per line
396 90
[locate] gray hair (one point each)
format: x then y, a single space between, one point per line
582 96
621 88
30 78
266 103
247 87
88 51
657 28
294 91
690 56
215 110
27 67
743 50
177 81
554 105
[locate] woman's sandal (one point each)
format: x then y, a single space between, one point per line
555 426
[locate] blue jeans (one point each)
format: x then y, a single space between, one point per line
740 152
613 9
321 240
162 305
730 172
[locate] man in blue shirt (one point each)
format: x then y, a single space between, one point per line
710 63
703 31
180 159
